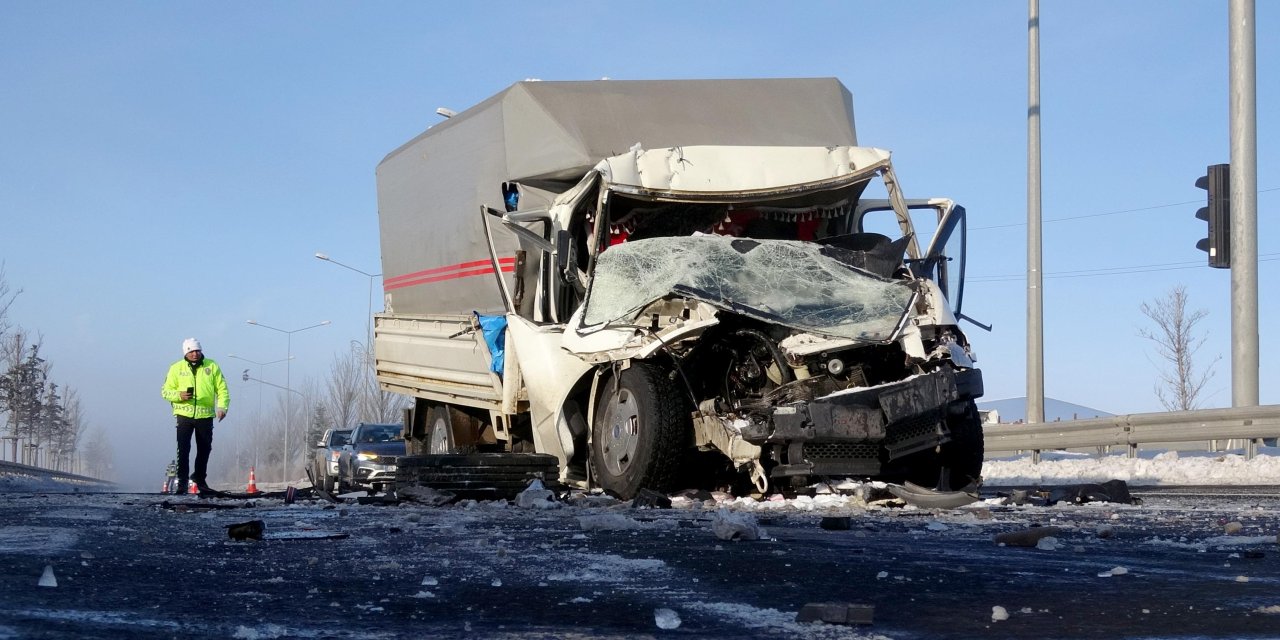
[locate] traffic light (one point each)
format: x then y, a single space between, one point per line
1217 182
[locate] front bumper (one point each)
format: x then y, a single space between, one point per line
854 432
381 470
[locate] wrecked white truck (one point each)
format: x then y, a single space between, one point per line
656 284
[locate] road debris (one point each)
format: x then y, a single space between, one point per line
836 613
1109 491
304 535
245 530
835 523
608 522
536 496
666 618
422 494
47 578
1027 537
729 525
648 498
920 497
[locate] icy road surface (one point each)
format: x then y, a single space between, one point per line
134 566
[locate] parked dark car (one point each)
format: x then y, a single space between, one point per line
324 465
368 461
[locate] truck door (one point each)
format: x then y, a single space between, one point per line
944 260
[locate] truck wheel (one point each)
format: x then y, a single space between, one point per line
963 455
328 483
439 431
639 433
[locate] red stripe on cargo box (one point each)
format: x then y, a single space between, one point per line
451 272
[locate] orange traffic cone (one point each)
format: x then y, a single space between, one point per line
164 488
253 482
193 490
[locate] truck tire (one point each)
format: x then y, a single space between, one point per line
439 431
639 434
964 453
478 476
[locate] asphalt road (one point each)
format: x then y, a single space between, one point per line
140 567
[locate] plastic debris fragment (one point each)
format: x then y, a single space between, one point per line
47 579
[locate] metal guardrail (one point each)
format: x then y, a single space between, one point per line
1242 423
15 469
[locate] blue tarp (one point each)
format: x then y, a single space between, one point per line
495 335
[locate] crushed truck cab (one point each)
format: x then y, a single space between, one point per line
729 309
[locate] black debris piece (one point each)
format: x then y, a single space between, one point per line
384 500
652 499
246 530
1026 537
835 523
699 495
1109 491
836 613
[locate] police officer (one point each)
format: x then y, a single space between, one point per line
198 392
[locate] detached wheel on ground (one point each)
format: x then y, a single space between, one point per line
641 427
478 476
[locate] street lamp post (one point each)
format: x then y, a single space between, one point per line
288 413
368 316
259 422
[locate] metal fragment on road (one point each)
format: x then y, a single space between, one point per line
923 498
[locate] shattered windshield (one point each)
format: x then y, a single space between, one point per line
802 285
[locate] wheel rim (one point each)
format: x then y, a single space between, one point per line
439 442
621 431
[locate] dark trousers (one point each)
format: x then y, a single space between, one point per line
202 428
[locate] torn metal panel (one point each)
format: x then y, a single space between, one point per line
725 436
757 173
930 499
918 395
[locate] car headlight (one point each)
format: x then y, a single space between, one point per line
367 456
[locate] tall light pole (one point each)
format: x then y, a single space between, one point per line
368 316
259 422
288 413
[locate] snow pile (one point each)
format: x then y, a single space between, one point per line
1149 468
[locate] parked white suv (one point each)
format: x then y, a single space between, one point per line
324 467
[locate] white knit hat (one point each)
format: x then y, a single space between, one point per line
189 345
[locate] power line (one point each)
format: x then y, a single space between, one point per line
1111 271
1106 213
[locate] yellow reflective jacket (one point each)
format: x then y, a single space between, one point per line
208 383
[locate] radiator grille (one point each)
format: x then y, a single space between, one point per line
825 451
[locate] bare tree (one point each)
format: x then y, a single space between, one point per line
345 385
1180 385
68 440
7 297
99 456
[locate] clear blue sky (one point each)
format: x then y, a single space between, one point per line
168 169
